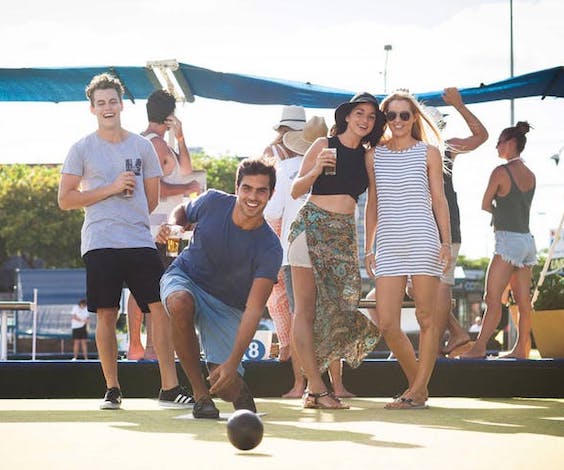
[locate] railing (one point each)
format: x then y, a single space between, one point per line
7 306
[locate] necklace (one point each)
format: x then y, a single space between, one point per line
513 159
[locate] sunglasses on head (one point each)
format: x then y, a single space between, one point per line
392 115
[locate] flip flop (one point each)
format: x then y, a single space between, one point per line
395 400
410 404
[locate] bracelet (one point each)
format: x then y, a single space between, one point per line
180 138
446 244
368 253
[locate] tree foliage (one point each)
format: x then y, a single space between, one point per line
480 263
33 226
220 172
31 223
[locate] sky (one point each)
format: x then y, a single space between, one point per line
435 44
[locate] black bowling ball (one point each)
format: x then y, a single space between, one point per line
245 429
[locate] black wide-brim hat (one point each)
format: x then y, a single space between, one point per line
345 108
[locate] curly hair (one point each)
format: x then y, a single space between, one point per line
104 81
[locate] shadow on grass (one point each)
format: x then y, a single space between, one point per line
285 419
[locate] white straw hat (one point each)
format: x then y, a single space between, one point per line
292 117
299 141
436 116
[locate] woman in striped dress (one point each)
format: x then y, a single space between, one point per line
401 210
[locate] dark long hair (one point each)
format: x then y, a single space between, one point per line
371 139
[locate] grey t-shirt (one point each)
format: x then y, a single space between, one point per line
117 221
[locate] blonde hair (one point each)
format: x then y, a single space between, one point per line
424 128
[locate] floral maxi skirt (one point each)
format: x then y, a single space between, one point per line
341 331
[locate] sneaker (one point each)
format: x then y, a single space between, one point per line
245 400
176 397
205 408
112 399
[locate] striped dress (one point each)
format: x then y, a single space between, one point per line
407 238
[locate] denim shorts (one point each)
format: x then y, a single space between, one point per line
515 248
216 323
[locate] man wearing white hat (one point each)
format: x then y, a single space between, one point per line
293 119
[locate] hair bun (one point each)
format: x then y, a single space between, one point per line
523 127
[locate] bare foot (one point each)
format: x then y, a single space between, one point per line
408 400
135 354
150 354
324 400
284 353
473 353
342 392
296 391
461 349
514 354
454 343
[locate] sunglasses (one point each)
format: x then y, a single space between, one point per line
392 115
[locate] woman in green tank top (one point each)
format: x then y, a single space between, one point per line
508 198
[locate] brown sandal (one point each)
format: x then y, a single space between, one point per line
311 400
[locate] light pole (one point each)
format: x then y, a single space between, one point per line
387 49
511 69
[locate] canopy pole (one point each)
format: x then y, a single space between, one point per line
547 262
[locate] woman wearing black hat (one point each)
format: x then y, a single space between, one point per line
404 199
322 252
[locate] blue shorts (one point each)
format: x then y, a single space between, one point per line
216 323
515 248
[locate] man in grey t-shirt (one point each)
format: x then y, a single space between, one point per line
114 175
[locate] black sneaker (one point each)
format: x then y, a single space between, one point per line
176 397
112 399
205 408
245 400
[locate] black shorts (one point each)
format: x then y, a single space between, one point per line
166 260
108 269
80 333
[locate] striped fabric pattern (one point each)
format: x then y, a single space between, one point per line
407 239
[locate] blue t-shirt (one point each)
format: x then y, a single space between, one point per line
222 258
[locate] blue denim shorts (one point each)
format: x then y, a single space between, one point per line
515 248
216 323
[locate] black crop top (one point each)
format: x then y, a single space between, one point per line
351 177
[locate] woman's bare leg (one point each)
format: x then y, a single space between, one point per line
498 276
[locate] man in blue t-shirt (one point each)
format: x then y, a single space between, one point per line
220 283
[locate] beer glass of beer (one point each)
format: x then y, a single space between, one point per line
173 241
331 170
